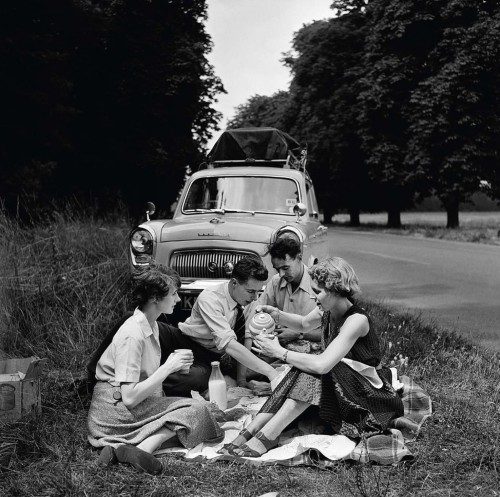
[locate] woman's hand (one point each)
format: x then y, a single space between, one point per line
269 309
178 360
134 393
268 346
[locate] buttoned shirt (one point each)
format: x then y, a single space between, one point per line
279 293
133 355
212 319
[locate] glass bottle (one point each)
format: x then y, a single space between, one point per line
217 387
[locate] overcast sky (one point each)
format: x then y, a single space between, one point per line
249 39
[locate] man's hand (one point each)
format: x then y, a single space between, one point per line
286 335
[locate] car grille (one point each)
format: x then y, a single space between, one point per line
204 264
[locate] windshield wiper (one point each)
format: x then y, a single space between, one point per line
222 211
237 210
271 212
217 211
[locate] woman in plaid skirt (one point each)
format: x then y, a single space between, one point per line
345 381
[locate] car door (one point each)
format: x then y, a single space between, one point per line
315 244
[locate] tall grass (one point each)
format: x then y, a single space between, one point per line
63 281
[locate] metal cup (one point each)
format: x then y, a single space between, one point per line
184 370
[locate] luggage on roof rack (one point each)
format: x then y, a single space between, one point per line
259 147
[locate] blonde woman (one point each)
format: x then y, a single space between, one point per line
345 381
130 417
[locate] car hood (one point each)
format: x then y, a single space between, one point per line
258 229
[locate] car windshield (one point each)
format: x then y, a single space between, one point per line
242 193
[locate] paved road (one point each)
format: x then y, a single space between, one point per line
455 283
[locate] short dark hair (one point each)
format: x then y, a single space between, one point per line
250 267
284 246
153 281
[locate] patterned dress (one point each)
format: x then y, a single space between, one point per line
343 394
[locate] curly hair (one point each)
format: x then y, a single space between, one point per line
337 276
155 281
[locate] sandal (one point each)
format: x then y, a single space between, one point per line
230 448
262 445
139 459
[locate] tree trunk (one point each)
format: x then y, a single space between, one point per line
452 209
394 218
354 215
327 215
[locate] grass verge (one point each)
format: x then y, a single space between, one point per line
63 281
475 227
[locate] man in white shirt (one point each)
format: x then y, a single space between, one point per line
217 326
290 291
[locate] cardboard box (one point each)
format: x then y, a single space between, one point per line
20 388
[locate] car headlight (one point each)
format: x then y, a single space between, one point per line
141 241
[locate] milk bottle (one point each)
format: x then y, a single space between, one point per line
217 387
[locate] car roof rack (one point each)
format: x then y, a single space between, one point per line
257 147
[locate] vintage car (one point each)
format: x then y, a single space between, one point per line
253 189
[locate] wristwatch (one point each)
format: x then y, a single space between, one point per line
301 336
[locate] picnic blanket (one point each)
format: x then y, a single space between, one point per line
301 446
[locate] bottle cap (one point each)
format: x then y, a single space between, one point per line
215 363
261 322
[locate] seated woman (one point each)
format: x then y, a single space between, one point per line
330 380
129 415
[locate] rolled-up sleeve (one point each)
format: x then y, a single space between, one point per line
213 316
128 353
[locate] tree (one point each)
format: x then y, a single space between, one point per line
399 99
159 93
401 34
342 7
103 98
455 128
261 110
324 112
39 104
430 99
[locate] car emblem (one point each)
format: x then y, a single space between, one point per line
216 220
212 266
221 235
228 267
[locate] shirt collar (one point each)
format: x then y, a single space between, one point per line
232 303
143 322
302 284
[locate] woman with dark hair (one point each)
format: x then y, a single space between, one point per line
345 381
129 415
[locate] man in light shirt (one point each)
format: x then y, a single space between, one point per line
290 291
217 327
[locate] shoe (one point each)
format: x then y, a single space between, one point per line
107 457
139 459
263 445
229 449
